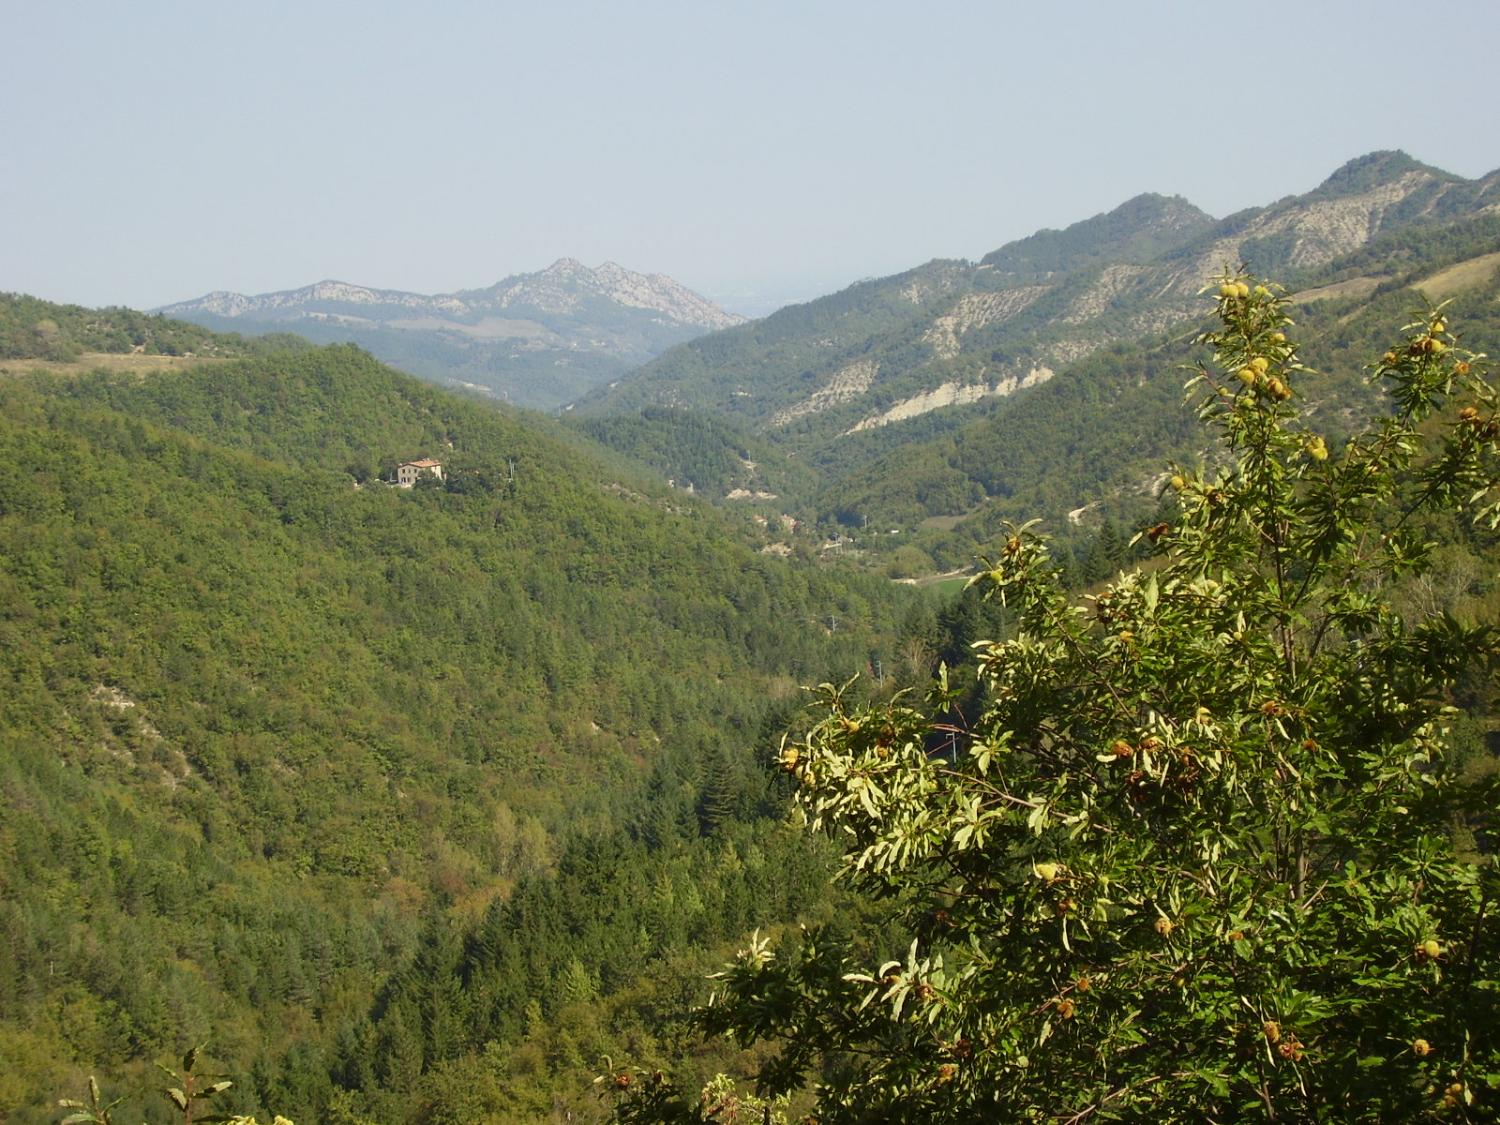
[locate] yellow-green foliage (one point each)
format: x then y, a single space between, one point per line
1195 857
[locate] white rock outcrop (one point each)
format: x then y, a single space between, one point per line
848 382
952 394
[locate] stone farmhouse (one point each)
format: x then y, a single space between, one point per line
408 471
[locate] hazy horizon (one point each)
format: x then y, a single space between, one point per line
757 154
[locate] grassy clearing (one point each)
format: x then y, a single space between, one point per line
949 587
106 361
941 523
1354 287
1464 275
950 582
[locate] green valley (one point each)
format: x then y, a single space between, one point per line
283 747
429 804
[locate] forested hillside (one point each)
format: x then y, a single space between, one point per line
1089 445
36 329
363 785
1083 449
704 452
894 359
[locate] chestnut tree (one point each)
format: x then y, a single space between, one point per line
1195 860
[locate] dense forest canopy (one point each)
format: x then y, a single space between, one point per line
36 329
283 753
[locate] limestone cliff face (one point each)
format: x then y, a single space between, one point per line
291 303
952 394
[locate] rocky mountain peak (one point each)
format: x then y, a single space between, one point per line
564 286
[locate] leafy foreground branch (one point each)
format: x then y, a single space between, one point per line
191 1093
1194 861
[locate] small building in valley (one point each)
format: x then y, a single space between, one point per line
408 472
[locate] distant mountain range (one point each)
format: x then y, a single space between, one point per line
921 411
957 333
538 339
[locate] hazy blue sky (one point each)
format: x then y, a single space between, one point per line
155 150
